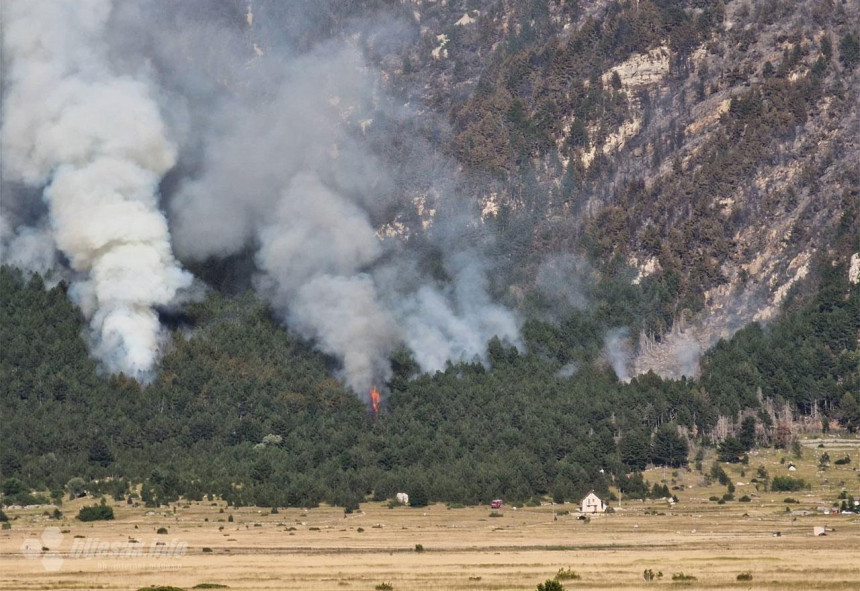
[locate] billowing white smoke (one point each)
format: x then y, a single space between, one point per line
274 158
286 174
97 144
310 254
455 322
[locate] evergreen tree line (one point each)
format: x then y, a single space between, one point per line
242 410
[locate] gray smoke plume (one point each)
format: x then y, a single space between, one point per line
290 171
618 350
565 281
282 142
96 142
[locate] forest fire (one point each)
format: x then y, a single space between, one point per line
374 400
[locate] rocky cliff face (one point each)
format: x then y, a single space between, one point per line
710 146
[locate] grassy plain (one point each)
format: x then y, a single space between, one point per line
465 548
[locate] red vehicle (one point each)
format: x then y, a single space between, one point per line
497 504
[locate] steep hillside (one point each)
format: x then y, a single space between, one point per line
712 147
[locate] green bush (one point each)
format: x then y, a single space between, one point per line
683 577
787 484
744 577
550 585
100 512
567 574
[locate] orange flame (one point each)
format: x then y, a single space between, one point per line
374 400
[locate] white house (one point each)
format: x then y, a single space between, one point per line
592 504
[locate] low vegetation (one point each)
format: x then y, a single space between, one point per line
100 512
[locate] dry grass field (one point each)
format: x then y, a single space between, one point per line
464 548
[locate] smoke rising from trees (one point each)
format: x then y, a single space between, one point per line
96 143
271 138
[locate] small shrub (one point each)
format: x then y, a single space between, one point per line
550 585
161 530
714 499
496 514
6 525
683 577
100 512
566 574
3 517
230 518
843 461
787 484
210 586
419 548
160 588
650 575
744 499
384 587
359 530
744 577
207 550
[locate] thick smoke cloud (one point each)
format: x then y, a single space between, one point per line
277 138
97 144
295 176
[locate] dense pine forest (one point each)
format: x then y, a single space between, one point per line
570 201
242 410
